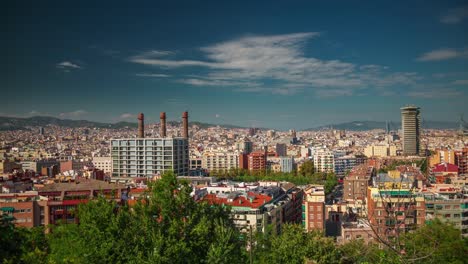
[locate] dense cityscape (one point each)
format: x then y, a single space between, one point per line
218 132
369 186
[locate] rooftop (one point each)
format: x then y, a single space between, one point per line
80 185
363 171
445 167
236 199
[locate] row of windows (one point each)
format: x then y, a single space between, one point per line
28 210
440 207
116 143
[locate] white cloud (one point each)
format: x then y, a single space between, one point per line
217 115
454 15
443 54
127 116
67 65
245 63
152 75
73 114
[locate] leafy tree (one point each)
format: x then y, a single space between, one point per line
307 168
167 226
10 241
295 245
435 242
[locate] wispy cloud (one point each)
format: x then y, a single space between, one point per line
443 54
153 75
460 82
454 15
126 116
67 66
73 114
252 63
333 92
434 93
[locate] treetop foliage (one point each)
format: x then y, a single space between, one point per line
168 226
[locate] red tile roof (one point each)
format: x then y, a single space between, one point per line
240 201
445 167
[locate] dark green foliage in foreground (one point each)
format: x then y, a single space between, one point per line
169 227
294 245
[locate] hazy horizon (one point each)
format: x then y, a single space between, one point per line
275 65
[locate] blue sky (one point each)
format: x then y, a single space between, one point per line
278 64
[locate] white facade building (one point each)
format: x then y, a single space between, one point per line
324 161
147 157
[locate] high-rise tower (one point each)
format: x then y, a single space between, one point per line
411 129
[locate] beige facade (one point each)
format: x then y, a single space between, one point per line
442 156
380 151
220 161
103 163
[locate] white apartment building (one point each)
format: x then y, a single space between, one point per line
147 157
324 161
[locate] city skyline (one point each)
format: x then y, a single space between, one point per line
264 64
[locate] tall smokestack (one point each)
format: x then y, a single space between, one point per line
141 125
162 129
185 125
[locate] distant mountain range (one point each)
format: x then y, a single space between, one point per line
369 125
15 123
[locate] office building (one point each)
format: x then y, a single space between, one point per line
147 157
287 164
411 129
